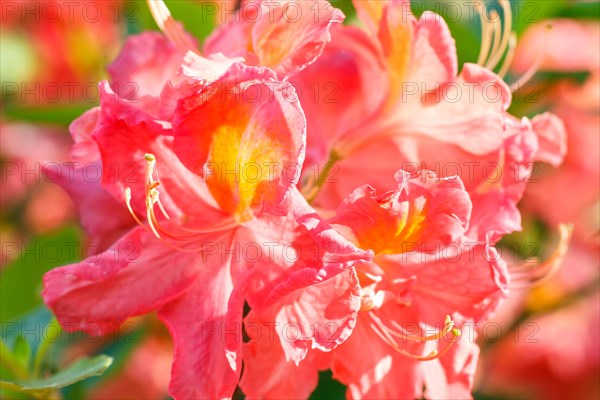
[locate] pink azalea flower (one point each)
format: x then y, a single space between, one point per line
285 36
206 156
425 273
429 117
185 181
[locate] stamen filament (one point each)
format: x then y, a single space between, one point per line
536 275
386 337
448 325
486 36
153 224
510 55
506 34
533 68
167 24
128 203
496 36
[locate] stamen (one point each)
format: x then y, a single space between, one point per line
448 325
496 35
128 203
387 338
150 165
510 55
486 35
150 217
527 275
150 183
534 67
167 24
154 226
162 209
506 34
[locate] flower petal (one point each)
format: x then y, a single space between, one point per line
424 211
267 374
468 112
85 150
136 275
124 136
340 91
205 324
313 315
294 34
304 284
452 375
372 370
285 36
145 64
467 280
102 217
433 59
245 136
552 138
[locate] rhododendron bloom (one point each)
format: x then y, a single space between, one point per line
425 277
208 213
285 36
427 118
197 206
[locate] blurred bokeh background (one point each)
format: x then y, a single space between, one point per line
544 343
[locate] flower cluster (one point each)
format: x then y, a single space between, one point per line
274 195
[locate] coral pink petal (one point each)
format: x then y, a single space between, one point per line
424 210
124 135
195 73
433 58
234 39
267 374
249 125
293 35
339 91
465 278
146 63
103 218
136 275
284 36
452 375
305 285
559 54
205 324
338 253
552 138
85 150
372 369
319 316
468 112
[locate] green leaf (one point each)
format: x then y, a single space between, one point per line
21 281
328 388
78 371
60 115
22 352
9 363
195 17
